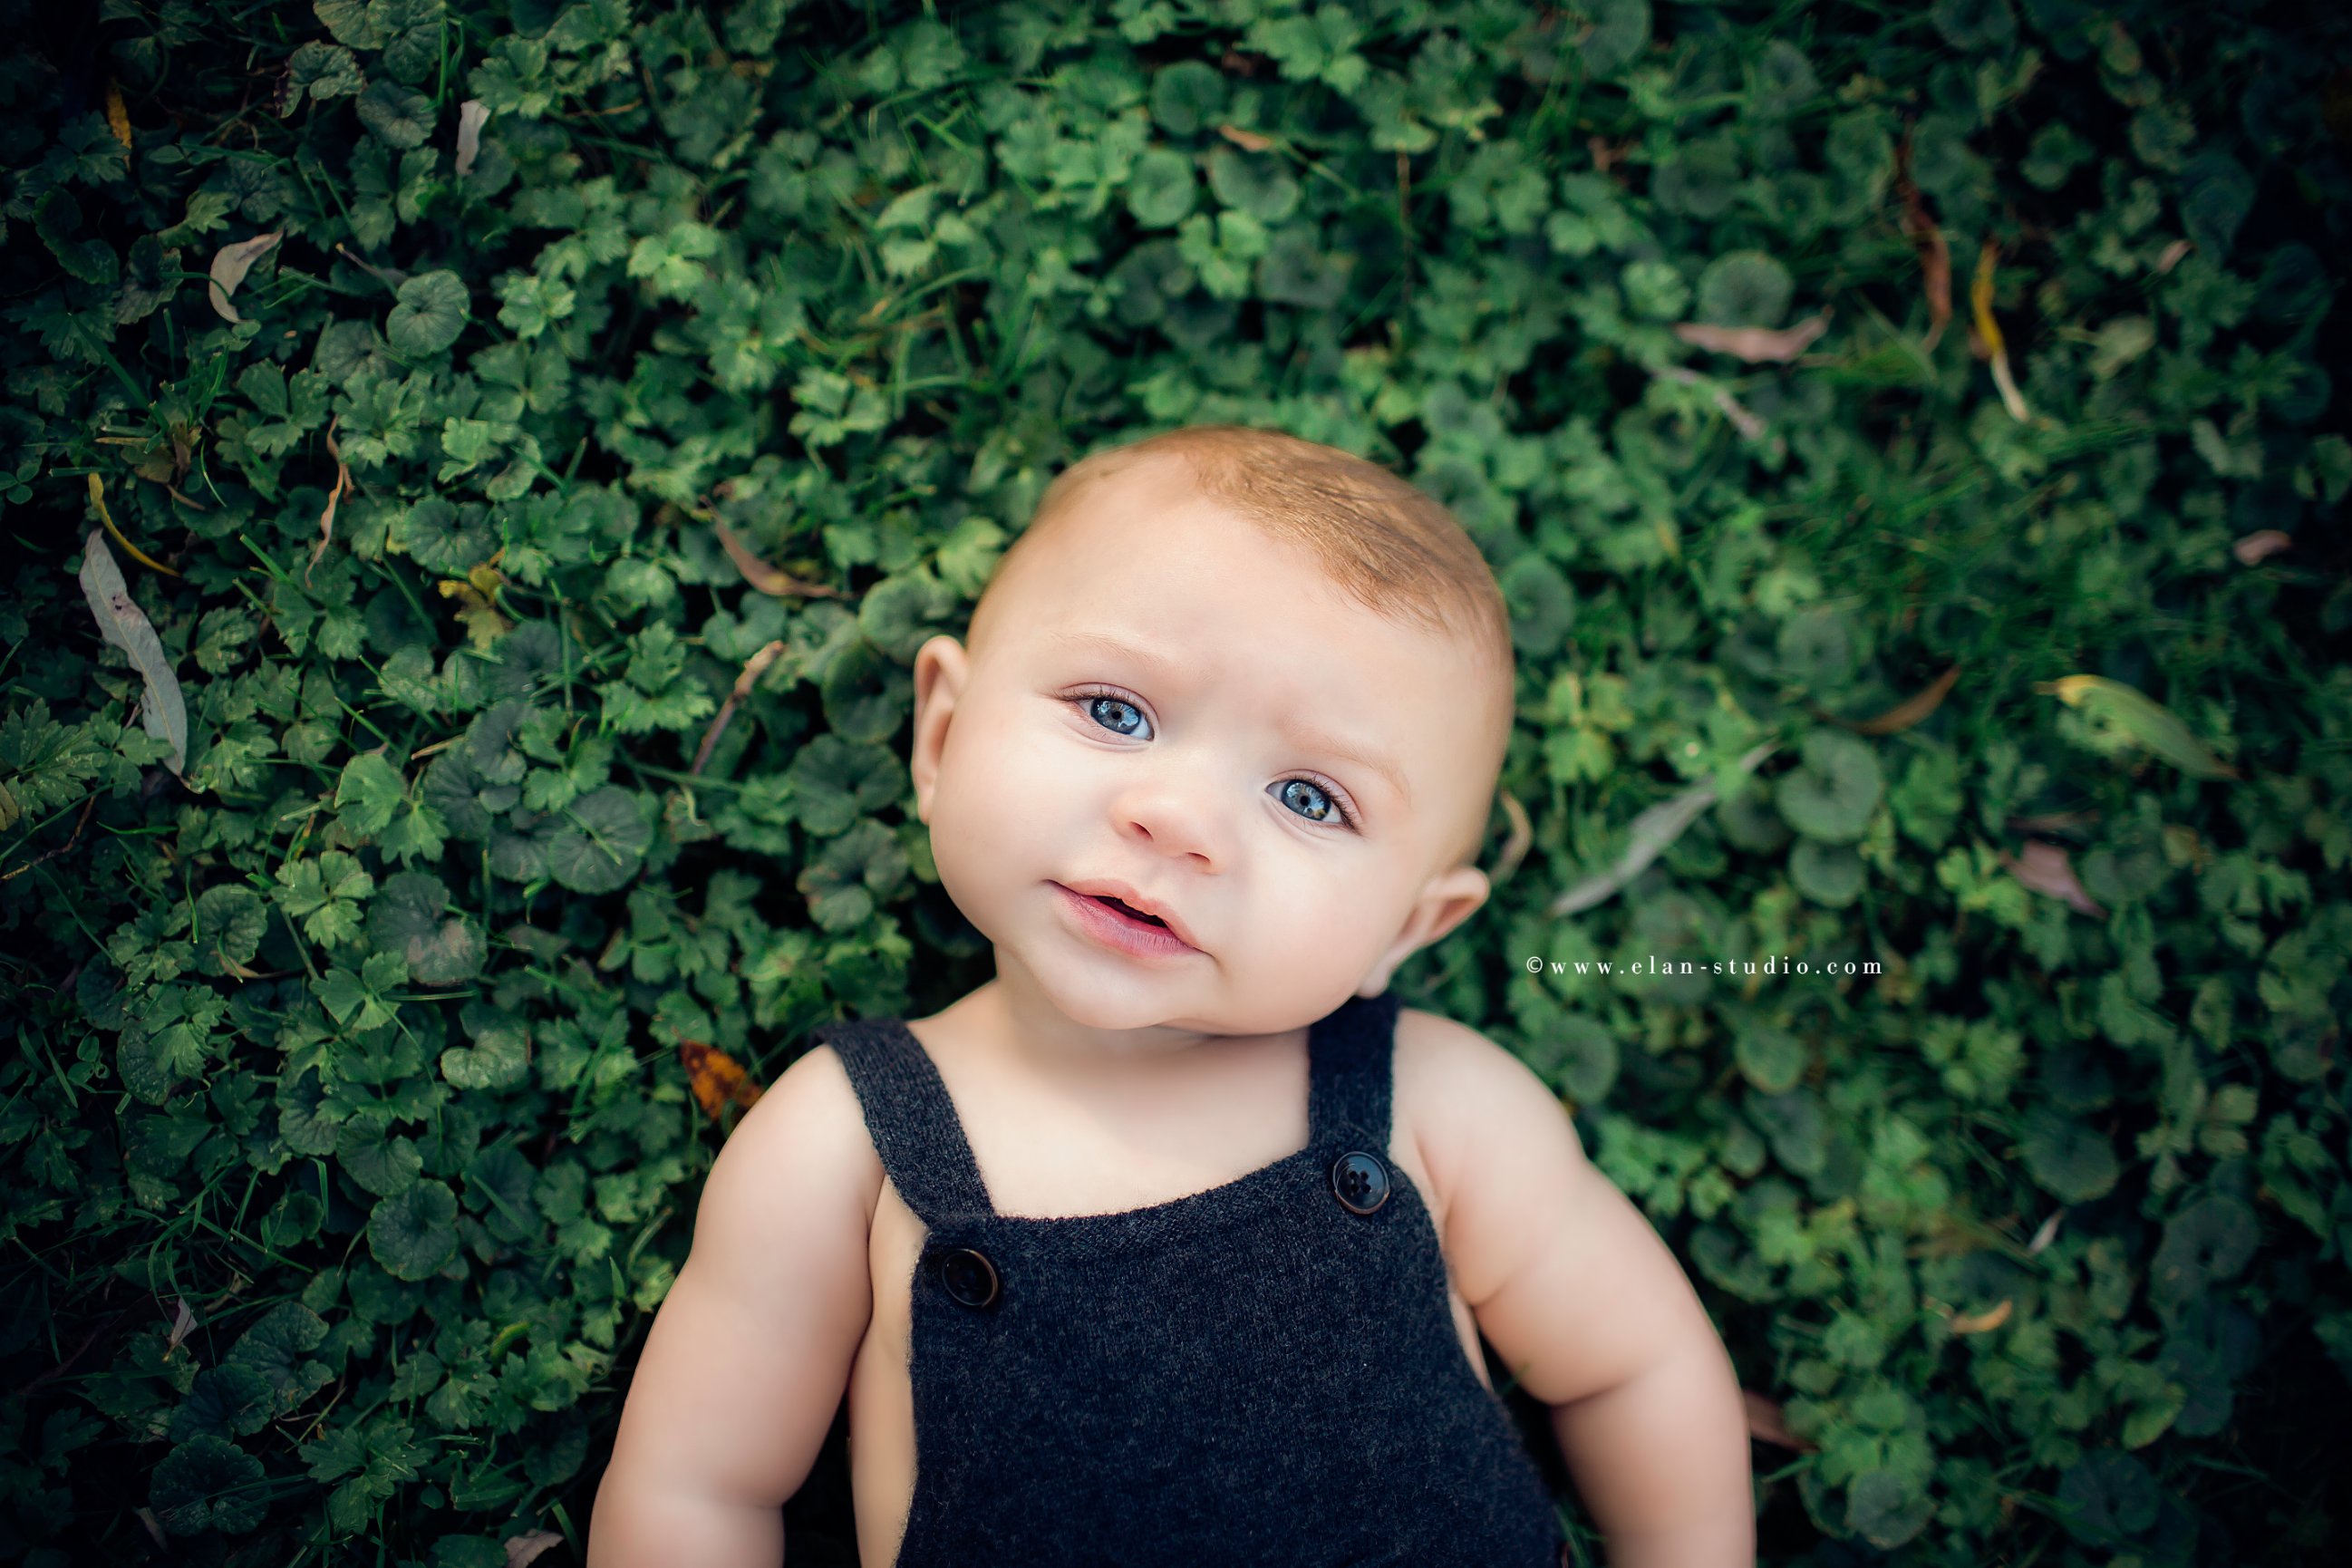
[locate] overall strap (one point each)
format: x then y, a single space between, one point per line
1350 1051
910 1118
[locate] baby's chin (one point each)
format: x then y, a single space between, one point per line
1113 1003
1109 1001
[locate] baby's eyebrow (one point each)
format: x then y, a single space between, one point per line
1096 642
1304 735
1331 745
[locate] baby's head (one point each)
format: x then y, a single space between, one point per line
1263 686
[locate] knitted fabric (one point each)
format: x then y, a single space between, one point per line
1250 1375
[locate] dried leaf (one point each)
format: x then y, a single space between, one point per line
146 1516
716 1078
2141 717
183 1320
1911 710
1741 419
162 713
1515 847
327 517
1755 343
98 503
2260 545
1985 1322
1766 1424
477 594
2046 867
2045 1233
761 576
154 463
1935 254
470 116
2171 256
525 1550
1652 832
118 118
1987 339
2012 399
230 263
1247 141
753 667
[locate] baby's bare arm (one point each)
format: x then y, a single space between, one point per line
747 1357
1589 1308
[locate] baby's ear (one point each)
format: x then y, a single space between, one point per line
941 666
1453 897
1446 900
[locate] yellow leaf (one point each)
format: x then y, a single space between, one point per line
2142 718
484 624
487 578
118 119
1980 301
98 502
1989 334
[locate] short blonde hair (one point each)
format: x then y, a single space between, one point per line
1392 548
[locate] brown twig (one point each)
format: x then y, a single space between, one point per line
59 1370
79 824
753 667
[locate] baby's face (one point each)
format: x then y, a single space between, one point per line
1164 699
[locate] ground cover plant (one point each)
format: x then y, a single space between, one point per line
473 476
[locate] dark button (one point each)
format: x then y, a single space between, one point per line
1361 1182
967 1278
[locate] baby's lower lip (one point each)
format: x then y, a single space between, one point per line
1121 933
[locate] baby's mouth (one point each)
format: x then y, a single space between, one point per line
1129 910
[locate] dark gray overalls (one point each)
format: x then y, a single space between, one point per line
1265 1374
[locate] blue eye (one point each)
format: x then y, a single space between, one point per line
1304 796
1095 706
1289 791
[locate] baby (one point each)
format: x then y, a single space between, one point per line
1174 1242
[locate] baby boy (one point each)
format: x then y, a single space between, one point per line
1174 1242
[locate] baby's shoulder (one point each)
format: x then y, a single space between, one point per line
1450 1064
808 1124
1457 1093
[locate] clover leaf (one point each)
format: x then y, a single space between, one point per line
408 918
413 1233
601 838
1832 796
430 315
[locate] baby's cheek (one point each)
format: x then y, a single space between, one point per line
984 819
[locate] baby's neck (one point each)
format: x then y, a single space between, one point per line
1017 1028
